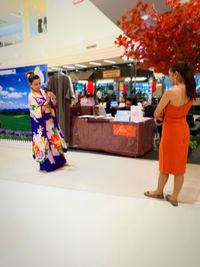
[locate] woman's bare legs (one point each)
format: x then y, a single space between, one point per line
162 180
178 184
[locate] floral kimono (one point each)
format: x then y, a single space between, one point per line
48 142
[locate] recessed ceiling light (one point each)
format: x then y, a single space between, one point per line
125 58
69 67
80 66
137 79
109 61
105 81
95 63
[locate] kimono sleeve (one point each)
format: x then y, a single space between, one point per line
34 107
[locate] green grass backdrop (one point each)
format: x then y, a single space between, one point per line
15 122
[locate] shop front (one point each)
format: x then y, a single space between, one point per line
115 82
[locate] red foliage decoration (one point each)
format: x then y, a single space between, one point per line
159 40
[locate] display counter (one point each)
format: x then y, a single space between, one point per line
81 110
123 138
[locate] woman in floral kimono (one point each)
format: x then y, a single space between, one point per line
47 139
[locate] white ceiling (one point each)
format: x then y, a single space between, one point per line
10 12
109 7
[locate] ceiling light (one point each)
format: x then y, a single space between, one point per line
125 58
105 81
109 61
83 81
80 66
137 79
69 67
95 63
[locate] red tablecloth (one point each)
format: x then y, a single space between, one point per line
123 138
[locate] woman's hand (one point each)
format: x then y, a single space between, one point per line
46 103
52 96
159 118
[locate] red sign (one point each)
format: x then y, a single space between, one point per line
124 130
75 2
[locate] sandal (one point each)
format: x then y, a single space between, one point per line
173 202
159 196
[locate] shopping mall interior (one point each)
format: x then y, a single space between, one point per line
91 210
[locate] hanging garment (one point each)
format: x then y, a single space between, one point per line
90 88
62 87
48 142
154 87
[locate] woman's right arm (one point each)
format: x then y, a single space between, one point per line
159 112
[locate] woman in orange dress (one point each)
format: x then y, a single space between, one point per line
172 110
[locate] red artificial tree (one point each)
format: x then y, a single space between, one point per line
159 40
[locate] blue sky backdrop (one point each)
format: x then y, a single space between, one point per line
14 87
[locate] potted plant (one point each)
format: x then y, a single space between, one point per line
192 146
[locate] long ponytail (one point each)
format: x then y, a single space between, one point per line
186 72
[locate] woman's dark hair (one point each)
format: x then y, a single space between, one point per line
31 76
186 72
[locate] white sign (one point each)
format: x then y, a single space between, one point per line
136 113
122 115
7 72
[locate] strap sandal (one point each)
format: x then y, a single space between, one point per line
149 194
173 202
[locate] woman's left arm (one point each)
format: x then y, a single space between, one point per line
159 112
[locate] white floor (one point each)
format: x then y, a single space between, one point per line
93 213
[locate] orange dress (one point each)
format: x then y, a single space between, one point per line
173 149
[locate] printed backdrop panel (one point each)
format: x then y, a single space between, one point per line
14 90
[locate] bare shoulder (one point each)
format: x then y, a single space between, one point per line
170 91
167 94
